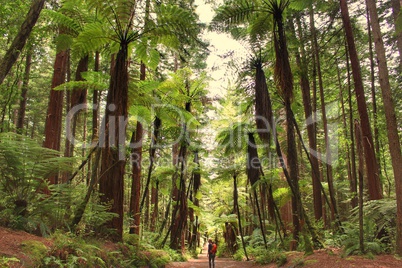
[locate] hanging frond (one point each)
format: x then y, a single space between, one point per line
141 113
259 29
147 53
263 105
300 5
92 38
177 23
233 13
282 72
93 81
70 25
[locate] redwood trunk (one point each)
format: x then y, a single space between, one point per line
390 116
111 185
54 118
136 160
372 170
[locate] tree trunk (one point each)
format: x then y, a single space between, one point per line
396 8
374 184
111 185
390 116
360 152
154 189
136 160
237 209
311 124
53 123
95 102
353 181
328 156
20 39
23 100
179 215
253 175
373 94
284 80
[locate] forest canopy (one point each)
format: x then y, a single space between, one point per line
110 126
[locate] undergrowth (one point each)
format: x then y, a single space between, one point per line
69 250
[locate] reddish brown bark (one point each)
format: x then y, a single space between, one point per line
54 118
111 184
136 160
390 116
372 170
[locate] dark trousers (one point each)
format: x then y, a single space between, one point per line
211 258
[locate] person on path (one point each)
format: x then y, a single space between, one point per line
211 253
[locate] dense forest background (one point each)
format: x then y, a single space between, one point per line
109 127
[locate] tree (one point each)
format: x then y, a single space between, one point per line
20 39
390 116
53 126
374 184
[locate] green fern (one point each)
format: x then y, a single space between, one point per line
233 13
24 168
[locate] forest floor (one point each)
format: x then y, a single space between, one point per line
320 259
11 242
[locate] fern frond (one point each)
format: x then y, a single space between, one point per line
92 38
174 23
22 159
233 13
119 14
93 81
147 53
300 5
69 25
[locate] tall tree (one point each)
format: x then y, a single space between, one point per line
311 124
20 39
53 125
392 125
374 184
24 91
396 9
284 81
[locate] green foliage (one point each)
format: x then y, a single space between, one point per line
93 81
24 168
35 250
71 251
350 239
263 256
9 261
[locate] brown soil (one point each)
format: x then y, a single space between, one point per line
11 246
320 259
11 241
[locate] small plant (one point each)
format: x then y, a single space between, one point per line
35 250
9 262
298 262
272 256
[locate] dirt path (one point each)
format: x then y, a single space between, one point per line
320 259
202 262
